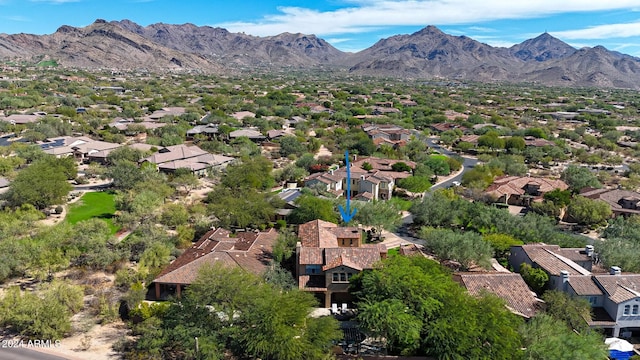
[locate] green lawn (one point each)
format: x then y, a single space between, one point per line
91 205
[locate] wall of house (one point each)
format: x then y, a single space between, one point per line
555 283
339 286
349 242
630 319
518 256
369 187
385 191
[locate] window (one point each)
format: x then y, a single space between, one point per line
313 269
341 277
635 310
593 300
627 308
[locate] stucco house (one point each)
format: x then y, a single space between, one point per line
367 185
522 190
614 297
249 250
198 161
327 256
622 202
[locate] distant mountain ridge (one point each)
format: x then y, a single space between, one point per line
426 54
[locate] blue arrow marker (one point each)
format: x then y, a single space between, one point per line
347 214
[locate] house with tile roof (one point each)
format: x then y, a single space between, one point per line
522 190
328 255
366 185
169 159
81 147
622 202
614 297
510 287
249 250
389 134
553 260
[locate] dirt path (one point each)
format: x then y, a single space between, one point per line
323 151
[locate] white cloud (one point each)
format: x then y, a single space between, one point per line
602 31
338 40
481 29
363 15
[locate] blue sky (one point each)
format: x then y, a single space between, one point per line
352 25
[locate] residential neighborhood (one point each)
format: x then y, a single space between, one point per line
370 219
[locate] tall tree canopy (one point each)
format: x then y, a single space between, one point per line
43 183
413 303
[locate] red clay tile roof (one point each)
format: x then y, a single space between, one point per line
251 251
357 257
315 234
311 256
346 232
514 185
342 261
507 286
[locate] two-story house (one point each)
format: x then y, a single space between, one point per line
377 183
614 297
327 256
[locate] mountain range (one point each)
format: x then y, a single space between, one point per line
426 54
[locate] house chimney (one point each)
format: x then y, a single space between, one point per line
615 270
564 274
589 250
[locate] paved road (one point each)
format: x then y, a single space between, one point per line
26 354
468 164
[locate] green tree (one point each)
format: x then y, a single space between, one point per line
559 197
125 174
588 212
267 322
439 164
514 143
501 244
466 248
548 338
619 252
241 207
289 145
174 215
42 184
415 184
413 304
575 312
312 208
578 178
536 278
401 167
254 172
381 215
